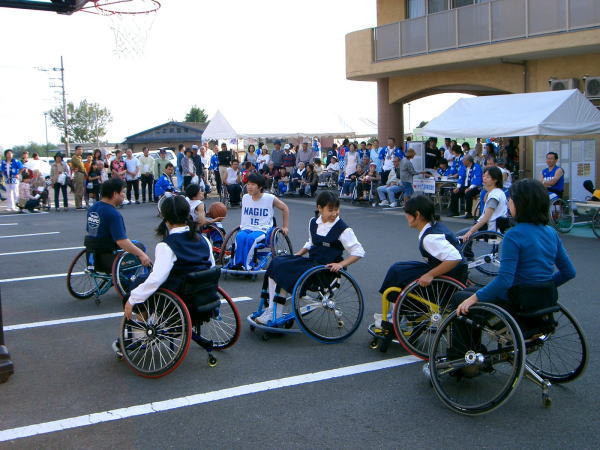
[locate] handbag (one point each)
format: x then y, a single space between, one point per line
62 179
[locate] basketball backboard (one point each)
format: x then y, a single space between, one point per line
58 6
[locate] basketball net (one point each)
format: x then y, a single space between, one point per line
130 22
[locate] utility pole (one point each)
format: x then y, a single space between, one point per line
46 124
63 94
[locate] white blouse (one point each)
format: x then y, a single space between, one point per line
438 246
347 238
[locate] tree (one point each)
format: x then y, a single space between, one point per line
86 123
196 115
32 147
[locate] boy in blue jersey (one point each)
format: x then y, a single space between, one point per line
164 183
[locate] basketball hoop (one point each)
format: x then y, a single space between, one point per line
130 22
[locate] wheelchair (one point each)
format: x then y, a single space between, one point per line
562 216
327 306
163 197
216 236
415 316
477 361
483 251
275 244
156 339
87 278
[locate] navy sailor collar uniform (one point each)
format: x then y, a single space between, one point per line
437 228
327 249
192 256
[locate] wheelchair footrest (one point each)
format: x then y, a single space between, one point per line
202 342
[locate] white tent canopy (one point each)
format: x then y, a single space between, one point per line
219 128
553 113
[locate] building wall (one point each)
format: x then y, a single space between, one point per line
390 11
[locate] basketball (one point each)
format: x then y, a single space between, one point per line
217 209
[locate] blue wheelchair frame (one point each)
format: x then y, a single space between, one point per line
284 324
263 253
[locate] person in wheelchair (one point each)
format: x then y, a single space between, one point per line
256 221
328 237
106 229
182 251
195 195
437 244
495 209
165 181
233 183
530 252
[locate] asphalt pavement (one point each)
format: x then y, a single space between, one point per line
287 392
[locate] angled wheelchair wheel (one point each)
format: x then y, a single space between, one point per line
126 269
596 223
80 281
162 199
280 243
328 306
224 195
483 251
562 217
476 362
228 248
562 355
216 237
419 312
155 341
224 327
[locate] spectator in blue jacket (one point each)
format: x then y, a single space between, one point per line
470 180
164 183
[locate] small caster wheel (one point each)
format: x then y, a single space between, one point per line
374 344
340 324
97 301
119 357
212 361
547 401
265 337
252 328
4 378
289 324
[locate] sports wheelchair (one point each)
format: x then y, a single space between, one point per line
483 251
163 197
87 277
275 244
415 315
477 361
328 306
562 216
155 341
216 236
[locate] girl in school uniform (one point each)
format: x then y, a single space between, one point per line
438 245
329 236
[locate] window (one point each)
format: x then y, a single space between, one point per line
171 130
435 6
416 8
164 131
185 130
459 3
178 130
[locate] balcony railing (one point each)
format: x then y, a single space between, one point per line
484 23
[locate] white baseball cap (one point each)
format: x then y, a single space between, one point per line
287 147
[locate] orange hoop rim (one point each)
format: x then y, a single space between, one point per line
104 8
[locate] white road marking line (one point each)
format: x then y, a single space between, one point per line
7 224
30 234
22 215
41 251
198 399
48 323
38 277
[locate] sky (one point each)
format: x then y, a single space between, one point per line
268 65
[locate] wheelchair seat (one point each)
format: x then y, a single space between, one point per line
200 290
534 306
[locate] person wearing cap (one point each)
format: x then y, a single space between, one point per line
288 159
277 154
187 167
506 175
305 155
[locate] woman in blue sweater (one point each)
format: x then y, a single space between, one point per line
530 251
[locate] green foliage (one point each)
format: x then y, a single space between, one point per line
87 122
196 115
32 147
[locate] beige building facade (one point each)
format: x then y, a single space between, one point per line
480 47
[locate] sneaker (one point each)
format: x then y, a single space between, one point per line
117 348
125 202
384 203
393 205
378 318
267 315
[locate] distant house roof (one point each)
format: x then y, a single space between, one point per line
169 131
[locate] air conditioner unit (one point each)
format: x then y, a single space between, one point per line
592 87
561 85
